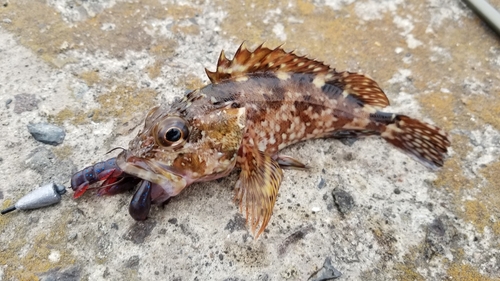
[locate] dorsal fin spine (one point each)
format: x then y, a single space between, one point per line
277 61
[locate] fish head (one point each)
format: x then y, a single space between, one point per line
174 150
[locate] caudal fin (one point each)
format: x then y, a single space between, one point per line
423 141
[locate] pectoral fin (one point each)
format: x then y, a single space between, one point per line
257 187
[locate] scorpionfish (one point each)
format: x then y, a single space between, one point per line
258 103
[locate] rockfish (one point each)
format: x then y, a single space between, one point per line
258 103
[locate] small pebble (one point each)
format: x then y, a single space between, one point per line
343 200
397 191
47 133
321 183
72 236
327 272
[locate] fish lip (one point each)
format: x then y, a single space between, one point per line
145 169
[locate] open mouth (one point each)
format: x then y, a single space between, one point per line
171 184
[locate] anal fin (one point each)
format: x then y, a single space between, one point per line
257 188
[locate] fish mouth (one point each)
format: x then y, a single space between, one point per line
159 175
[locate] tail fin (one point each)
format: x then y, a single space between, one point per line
423 141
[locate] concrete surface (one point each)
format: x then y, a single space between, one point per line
95 67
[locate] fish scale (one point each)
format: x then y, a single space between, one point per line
257 104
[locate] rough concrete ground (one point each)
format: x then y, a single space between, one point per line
95 67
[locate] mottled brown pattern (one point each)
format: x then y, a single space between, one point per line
259 103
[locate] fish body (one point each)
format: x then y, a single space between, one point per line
257 104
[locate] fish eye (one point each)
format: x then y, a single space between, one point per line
172 132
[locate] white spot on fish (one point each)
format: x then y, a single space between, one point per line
282 75
241 79
263 145
319 81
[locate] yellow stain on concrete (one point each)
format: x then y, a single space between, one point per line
36 248
486 108
337 38
492 192
451 176
42 29
161 52
63 151
124 103
189 29
190 82
71 115
476 213
408 272
465 272
6 203
468 113
305 7
90 77
154 70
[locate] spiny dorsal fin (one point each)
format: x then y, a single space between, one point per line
263 59
362 87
